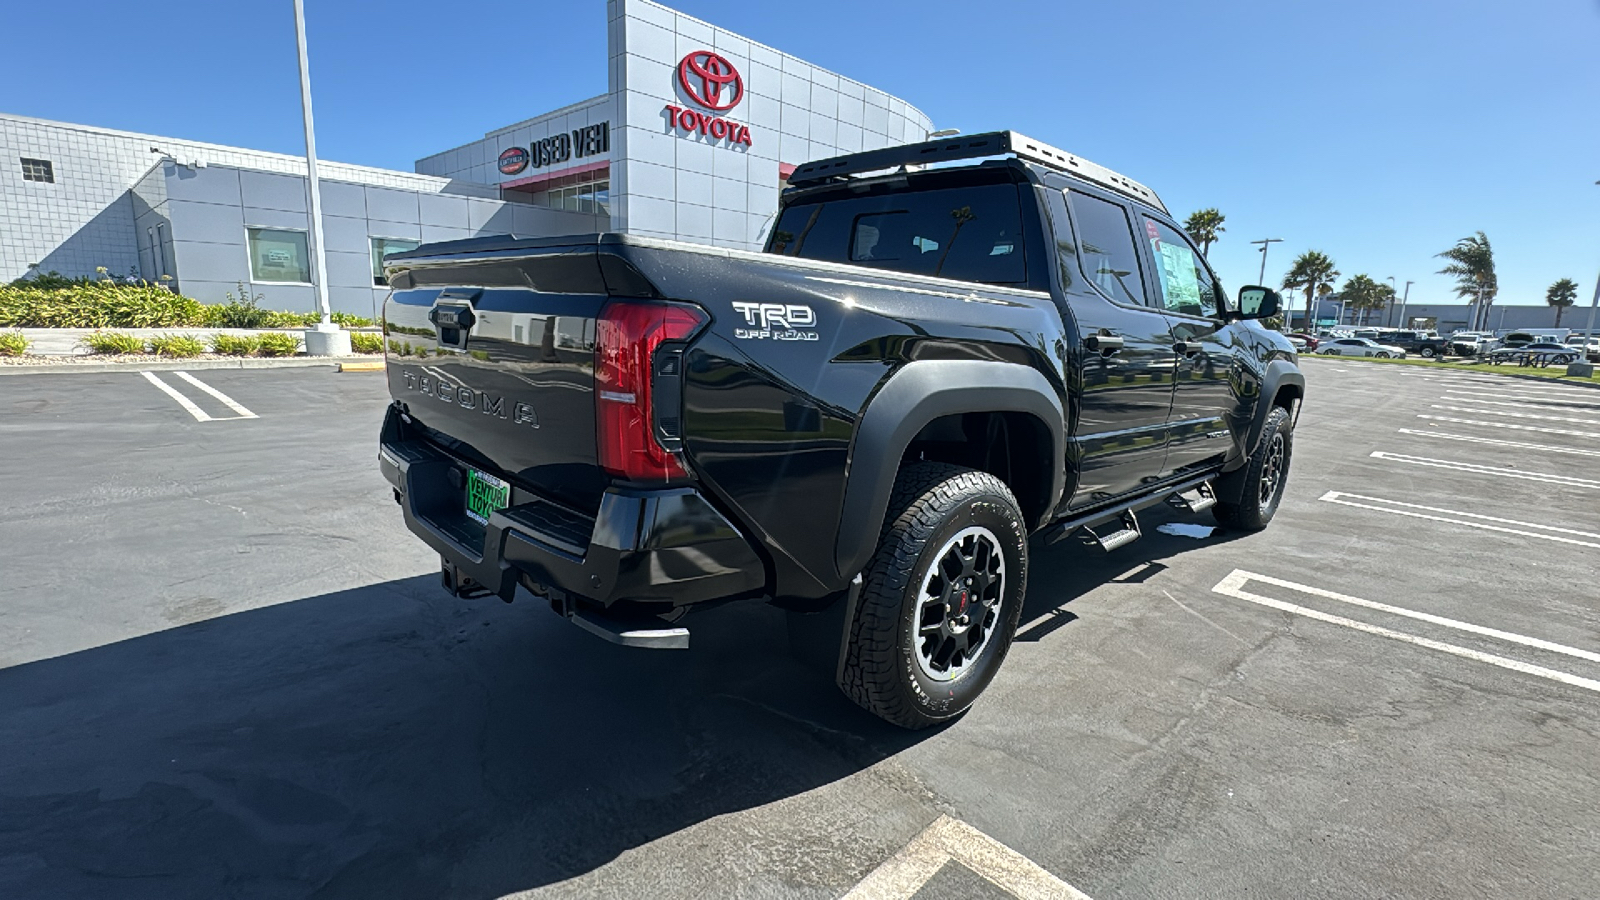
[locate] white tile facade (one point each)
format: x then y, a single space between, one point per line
668 182
116 204
86 218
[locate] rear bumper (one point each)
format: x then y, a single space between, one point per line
661 549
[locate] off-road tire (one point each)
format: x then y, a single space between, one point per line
932 504
1252 511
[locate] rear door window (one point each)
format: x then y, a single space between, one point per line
965 233
1106 251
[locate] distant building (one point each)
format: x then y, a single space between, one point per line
1441 317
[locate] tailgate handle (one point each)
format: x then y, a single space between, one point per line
453 323
452 317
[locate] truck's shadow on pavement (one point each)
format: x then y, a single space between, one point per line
391 741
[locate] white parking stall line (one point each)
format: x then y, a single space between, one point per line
1456 517
227 401
1458 625
198 413
1513 415
1233 586
1483 424
1476 469
1540 400
947 839
1520 445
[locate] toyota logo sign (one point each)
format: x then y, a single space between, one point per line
710 80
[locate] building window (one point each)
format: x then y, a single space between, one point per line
38 170
277 255
594 197
382 247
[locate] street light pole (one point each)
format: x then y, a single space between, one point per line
1588 331
1403 300
1261 279
1265 243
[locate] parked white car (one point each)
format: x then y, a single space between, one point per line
1360 347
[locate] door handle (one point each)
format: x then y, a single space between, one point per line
1183 348
1103 343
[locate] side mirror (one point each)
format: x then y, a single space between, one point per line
1256 302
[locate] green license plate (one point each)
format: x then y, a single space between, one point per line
485 495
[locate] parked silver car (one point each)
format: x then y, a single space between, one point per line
1544 353
1360 347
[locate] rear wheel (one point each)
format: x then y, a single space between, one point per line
1259 484
1429 353
940 599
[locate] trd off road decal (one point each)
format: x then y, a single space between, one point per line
776 322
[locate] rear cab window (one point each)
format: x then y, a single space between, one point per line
967 233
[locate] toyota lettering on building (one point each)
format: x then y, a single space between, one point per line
710 80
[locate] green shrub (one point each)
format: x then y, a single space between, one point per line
235 345
406 348
366 342
113 342
50 280
97 304
54 301
181 346
277 343
13 343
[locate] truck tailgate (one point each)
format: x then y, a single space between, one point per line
514 391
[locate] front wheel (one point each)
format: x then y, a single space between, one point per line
1381 355
1429 353
940 599
1260 482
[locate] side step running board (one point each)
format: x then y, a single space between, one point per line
1127 534
1200 499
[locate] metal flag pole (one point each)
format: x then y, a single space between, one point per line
326 339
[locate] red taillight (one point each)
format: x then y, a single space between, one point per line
626 339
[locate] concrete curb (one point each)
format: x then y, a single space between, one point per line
1446 367
167 365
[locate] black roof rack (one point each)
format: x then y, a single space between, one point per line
973 146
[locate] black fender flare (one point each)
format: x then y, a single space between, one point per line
1279 374
918 393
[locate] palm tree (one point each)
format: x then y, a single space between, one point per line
1561 295
1312 272
1204 225
1472 265
1362 293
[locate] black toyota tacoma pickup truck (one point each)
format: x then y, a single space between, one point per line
925 367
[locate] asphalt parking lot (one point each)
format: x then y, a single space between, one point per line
226 670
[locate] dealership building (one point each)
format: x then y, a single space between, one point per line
693 140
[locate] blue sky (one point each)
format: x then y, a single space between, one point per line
1376 131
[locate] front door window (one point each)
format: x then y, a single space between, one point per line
1187 286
